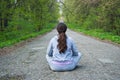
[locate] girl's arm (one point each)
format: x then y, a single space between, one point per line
50 49
74 49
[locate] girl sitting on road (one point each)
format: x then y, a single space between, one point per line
62 54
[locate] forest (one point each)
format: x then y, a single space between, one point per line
22 19
94 16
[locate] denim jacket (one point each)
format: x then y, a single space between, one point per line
53 51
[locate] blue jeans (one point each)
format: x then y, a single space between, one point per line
63 65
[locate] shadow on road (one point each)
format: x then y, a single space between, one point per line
79 67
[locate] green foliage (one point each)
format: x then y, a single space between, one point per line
38 12
98 33
94 14
23 19
10 38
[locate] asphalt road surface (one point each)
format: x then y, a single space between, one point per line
100 61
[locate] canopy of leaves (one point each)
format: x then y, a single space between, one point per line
92 14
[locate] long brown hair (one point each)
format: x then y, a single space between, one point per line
62 46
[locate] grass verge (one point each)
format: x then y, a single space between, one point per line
11 38
98 33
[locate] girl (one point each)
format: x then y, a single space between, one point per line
62 54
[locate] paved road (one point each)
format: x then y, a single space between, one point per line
100 61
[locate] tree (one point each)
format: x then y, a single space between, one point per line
92 14
38 12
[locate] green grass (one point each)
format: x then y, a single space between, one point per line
98 33
8 38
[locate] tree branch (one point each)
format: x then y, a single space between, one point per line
66 7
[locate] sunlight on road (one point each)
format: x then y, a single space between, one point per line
37 48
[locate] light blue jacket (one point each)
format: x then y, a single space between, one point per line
52 50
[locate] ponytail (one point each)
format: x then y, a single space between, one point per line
62 46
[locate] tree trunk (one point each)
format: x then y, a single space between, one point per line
2 25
